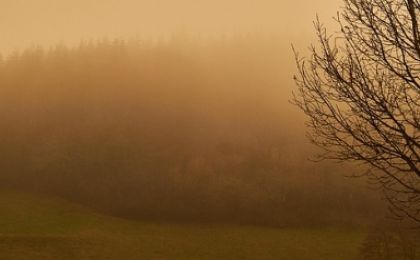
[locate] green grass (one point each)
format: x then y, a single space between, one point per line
33 227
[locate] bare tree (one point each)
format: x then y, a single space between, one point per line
360 89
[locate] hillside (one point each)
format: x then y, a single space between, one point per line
36 227
170 131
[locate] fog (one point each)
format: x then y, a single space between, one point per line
184 130
31 22
165 127
173 110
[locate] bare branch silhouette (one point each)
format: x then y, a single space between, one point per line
361 92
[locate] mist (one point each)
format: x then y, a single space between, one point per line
46 22
179 112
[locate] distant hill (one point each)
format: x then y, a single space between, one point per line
183 130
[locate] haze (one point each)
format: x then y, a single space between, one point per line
31 22
163 129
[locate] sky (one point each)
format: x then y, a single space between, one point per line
25 23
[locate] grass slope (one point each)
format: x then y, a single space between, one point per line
34 227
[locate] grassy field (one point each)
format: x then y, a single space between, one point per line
34 227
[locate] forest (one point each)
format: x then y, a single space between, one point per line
177 129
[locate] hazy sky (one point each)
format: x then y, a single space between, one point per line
27 22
